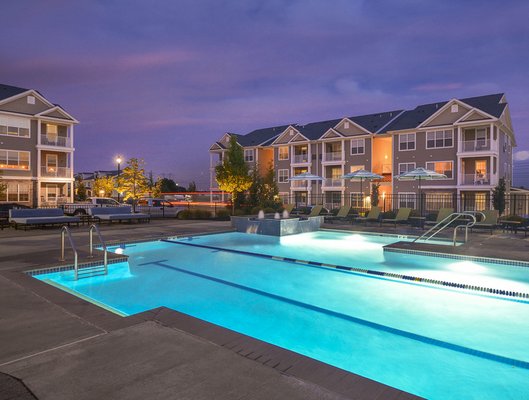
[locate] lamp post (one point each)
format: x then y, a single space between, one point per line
118 160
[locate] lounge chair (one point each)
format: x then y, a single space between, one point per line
441 215
342 215
288 208
117 214
373 215
316 210
40 217
402 217
489 222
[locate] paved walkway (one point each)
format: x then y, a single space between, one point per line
62 347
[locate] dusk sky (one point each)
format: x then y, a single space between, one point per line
162 80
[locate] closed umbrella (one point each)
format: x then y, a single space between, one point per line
421 174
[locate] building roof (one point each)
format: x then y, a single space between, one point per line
375 122
260 136
7 91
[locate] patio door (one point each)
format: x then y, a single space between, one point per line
52 162
52 193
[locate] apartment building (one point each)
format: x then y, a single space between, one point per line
469 140
36 148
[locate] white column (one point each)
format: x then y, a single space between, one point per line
38 162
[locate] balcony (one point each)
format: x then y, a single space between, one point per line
299 185
333 182
475 179
301 158
55 172
332 156
475 145
55 141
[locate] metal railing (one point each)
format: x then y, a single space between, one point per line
333 182
57 141
475 179
301 158
475 145
333 156
66 230
91 255
56 172
445 223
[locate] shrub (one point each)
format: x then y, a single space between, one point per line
238 212
255 210
223 214
185 214
269 210
201 214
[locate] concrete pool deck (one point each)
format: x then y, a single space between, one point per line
62 347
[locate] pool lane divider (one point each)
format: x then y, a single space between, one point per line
363 322
409 278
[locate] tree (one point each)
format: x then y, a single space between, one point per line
80 189
232 175
103 186
498 196
3 190
168 185
132 181
192 187
375 194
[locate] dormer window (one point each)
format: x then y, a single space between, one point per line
454 108
31 99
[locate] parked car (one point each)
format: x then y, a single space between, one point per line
81 208
5 207
158 207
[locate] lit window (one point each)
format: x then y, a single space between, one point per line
407 142
10 159
407 200
441 167
358 146
282 175
283 153
439 139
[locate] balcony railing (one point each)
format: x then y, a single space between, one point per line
473 145
299 184
333 156
333 182
57 141
56 172
475 179
301 158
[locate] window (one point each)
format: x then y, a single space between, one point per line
10 159
358 146
283 153
14 126
407 141
248 155
31 99
439 139
454 108
51 132
407 200
282 175
346 125
356 167
441 167
437 200
406 167
17 192
357 200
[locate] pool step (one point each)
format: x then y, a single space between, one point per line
88 272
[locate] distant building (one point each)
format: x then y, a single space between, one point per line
469 140
36 148
88 179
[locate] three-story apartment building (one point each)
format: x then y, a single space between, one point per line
36 148
469 140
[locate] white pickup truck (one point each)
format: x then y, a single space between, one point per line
81 208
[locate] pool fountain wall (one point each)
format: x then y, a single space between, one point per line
276 227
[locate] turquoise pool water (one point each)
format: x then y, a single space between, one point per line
434 342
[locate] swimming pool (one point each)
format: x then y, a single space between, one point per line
435 342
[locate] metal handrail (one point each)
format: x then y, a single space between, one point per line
72 245
447 221
470 224
91 255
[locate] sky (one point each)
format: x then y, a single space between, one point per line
162 80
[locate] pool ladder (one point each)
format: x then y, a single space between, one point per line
470 216
86 271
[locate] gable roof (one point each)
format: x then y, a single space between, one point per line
260 136
489 103
7 91
375 122
315 130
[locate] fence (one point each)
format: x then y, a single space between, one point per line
424 204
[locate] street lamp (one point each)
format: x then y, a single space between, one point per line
118 160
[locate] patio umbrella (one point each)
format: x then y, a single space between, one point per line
420 174
306 176
362 174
